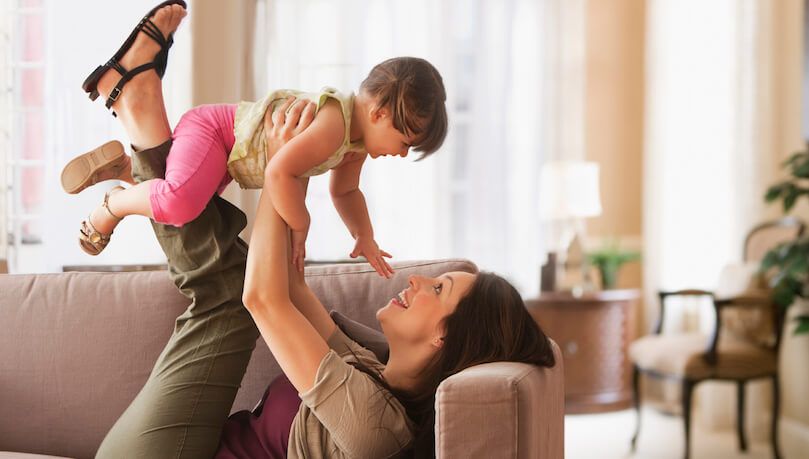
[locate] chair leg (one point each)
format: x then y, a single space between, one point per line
688 387
636 401
776 405
740 415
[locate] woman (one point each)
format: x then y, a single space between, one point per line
352 405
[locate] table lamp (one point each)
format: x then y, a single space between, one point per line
568 193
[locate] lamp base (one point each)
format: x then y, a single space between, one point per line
547 276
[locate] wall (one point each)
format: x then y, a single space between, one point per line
614 124
786 29
223 47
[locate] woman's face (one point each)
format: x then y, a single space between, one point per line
414 316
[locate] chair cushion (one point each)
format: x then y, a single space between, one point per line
682 355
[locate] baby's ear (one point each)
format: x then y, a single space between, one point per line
378 113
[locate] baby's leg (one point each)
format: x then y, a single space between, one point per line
196 167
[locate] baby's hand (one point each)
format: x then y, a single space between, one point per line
367 247
299 248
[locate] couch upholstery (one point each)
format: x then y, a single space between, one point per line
75 348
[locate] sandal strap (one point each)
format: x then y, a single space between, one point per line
106 203
88 225
125 77
152 31
117 66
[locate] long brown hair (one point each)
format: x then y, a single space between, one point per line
413 90
490 324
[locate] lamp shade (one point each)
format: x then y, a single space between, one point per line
569 189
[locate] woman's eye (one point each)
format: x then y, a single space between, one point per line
437 288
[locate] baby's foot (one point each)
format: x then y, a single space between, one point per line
144 49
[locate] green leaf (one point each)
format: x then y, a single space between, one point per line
795 158
800 165
803 325
790 196
770 260
774 192
782 295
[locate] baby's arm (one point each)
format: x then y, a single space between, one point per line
350 204
305 151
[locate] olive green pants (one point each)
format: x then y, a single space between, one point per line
180 411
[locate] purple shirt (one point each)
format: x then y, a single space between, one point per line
264 432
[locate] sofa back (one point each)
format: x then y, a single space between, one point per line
75 348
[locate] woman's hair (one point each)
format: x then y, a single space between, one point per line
490 324
412 89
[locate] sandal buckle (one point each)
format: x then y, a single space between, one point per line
114 94
95 237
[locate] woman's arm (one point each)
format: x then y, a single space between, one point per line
307 150
293 340
296 336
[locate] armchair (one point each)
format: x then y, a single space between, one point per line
734 350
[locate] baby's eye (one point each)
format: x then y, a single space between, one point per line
437 288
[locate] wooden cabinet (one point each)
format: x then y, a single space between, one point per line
593 332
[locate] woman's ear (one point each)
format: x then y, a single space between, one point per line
438 342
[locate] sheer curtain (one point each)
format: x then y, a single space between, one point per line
720 117
476 197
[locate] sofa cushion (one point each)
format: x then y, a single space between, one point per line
367 337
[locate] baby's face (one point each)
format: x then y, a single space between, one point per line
381 138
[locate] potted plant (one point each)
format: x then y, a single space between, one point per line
608 260
788 262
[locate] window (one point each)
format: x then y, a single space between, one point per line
46 120
476 197
23 89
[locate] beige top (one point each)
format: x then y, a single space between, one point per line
248 157
346 414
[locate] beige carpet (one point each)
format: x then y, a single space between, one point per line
607 436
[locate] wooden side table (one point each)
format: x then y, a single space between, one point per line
593 332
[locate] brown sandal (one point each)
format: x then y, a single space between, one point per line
91 240
103 163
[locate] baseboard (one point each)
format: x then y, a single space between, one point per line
794 437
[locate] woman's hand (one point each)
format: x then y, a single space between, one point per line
289 120
367 247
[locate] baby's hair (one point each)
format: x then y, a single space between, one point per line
413 90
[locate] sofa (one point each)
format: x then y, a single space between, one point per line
75 348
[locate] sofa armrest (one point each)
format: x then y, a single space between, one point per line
502 409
